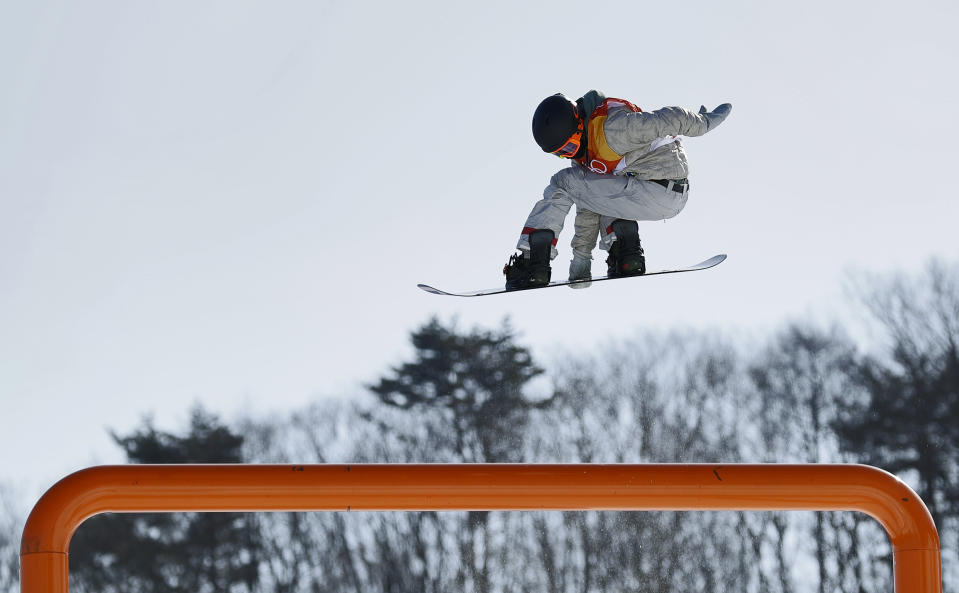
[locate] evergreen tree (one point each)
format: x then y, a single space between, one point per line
170 552
468 390
475 381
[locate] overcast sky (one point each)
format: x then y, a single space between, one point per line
233 202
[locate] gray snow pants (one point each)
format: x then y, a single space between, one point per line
610 196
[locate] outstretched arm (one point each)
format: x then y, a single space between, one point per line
626 130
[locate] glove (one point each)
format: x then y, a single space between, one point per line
580 268
716 116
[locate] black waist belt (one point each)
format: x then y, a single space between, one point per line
678 185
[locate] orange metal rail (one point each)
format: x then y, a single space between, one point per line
665 487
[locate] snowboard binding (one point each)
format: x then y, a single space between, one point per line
530 270
626 256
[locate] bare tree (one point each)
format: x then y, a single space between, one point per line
801 381
661 397
907 423
12 518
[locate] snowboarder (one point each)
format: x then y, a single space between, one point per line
627 165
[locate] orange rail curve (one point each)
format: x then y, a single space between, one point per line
392 487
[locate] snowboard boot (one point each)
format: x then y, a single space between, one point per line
625 254
530 270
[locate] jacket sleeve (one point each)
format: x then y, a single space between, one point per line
627 131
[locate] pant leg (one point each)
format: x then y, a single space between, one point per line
625 197
606 234
586 228
610 196
548 213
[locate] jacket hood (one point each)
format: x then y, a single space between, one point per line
586 105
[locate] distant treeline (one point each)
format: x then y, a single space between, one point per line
806 394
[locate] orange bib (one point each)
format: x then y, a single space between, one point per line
599 157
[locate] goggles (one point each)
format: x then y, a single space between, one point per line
569 148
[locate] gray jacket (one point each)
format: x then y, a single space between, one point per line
633 136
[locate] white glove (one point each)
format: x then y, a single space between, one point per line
580 268
716 116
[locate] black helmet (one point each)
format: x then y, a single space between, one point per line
554 122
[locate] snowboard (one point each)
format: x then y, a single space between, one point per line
703 265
